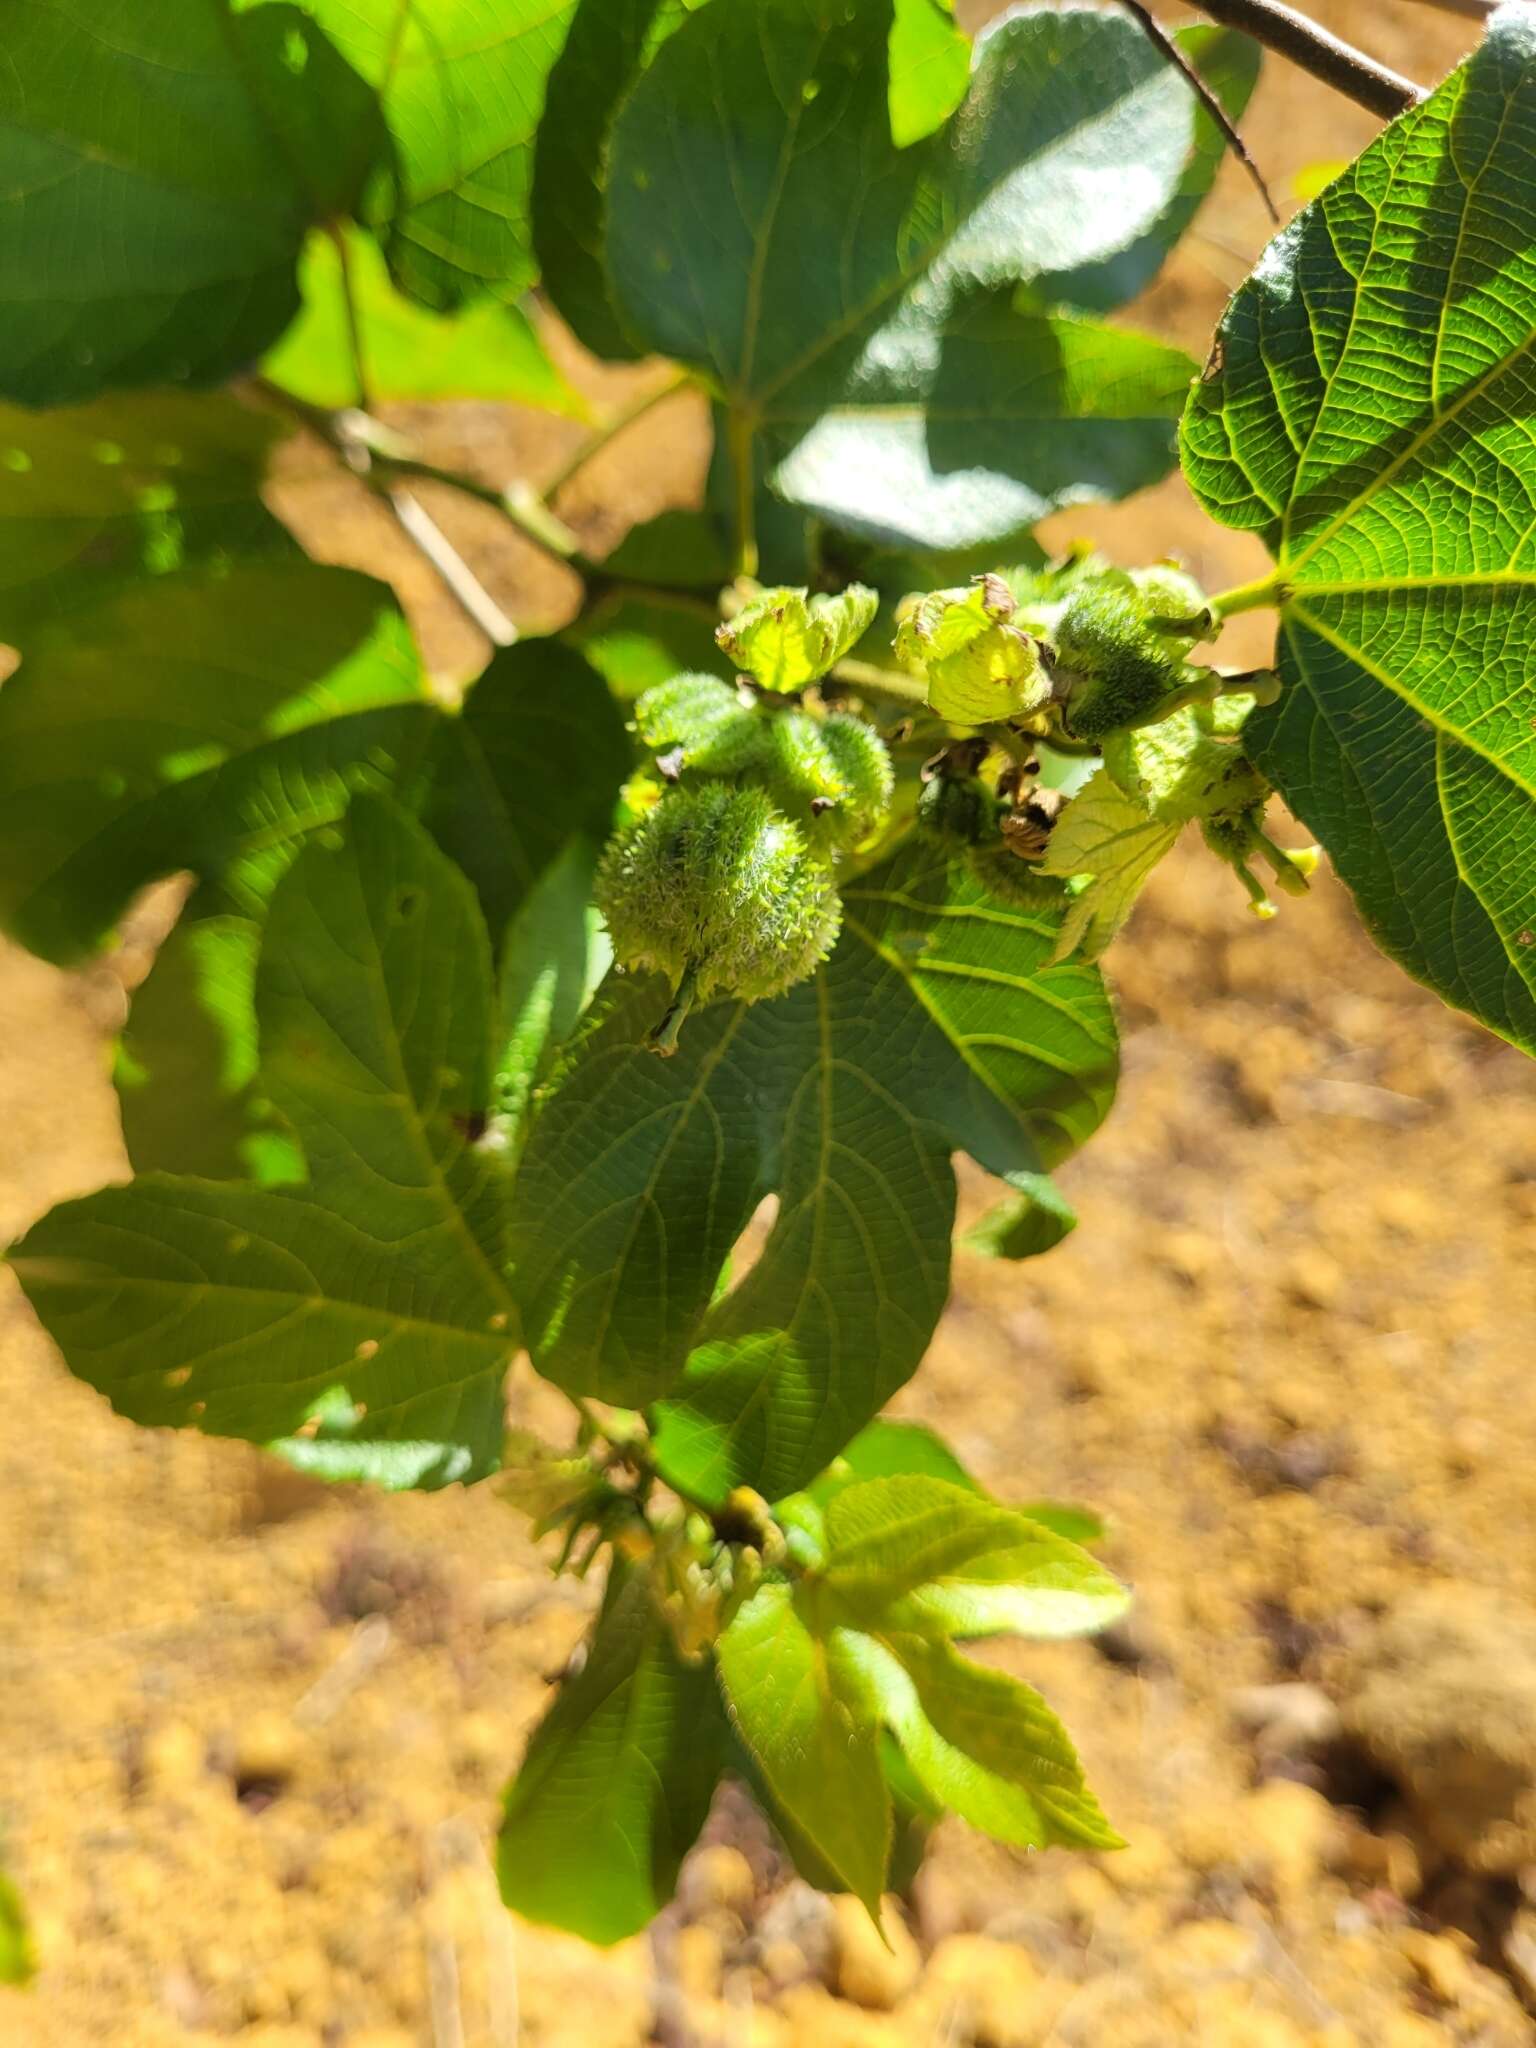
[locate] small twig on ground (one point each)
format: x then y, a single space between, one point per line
1161 41
461 582
1326 56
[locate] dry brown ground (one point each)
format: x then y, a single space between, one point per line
254 1729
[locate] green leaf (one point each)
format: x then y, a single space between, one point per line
1229 63
96 496
18 1959
488 351
462 87
935 1025
964 431
1029 1223
933 1557
250 1312
535 759
1105 837
162 167
729 239
795 1705
886 1448
785 639
678 550
165 726
555 955
1364 412
979 1743
635 642
930 59
609 44
617 1780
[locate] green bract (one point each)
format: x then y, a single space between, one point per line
785 639
979 666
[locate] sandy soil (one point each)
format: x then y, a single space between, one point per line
255 1728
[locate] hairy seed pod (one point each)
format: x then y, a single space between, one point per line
1176 608
866 777
1111 668
716 889
702 724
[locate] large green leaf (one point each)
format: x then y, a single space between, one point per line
250 1311
462 84
963 432
779 240
813 1671
161 166
490 350
617 1779
935 1025
1229 64
1366 410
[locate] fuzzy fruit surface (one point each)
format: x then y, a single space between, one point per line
717 886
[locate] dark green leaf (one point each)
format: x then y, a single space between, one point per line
635 642
616 1782
162 166
555 954
799 1714
965 432
1229 64
251 1312
462 87
678 550
1364 410
490 350
932 1027
536 757
609 43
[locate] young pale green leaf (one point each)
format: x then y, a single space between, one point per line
490 350
555 954
931 1557
1034 1220
1229 63
979 1743
796 1706
461 83
962 432
250 1312
886 1448
1105 837
1363 410
980 668
616 1782
934 1025
186 129
785 639
930 60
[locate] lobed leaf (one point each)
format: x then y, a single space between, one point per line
1365 411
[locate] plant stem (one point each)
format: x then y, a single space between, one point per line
1337 63
1265 592
338 235
740 436
614 426
1169 50
872 681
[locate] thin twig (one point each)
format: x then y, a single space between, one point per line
463 585
612 427
1337 63
1164 43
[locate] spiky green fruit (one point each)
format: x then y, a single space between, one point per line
701 723
863 764
1175 606
1111 668
716 889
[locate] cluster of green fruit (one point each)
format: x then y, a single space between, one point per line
724 879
